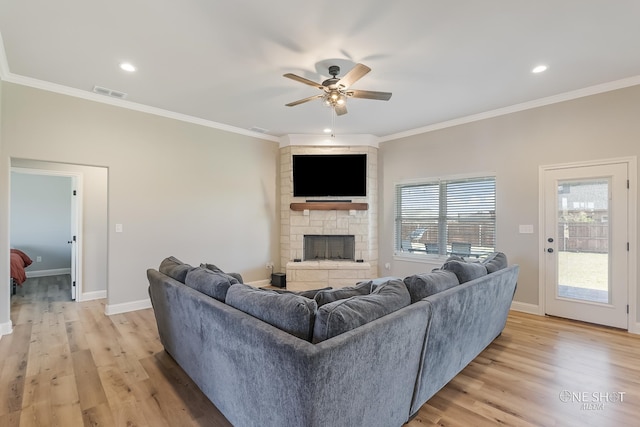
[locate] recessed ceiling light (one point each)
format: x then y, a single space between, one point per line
127 67
539 69
327 130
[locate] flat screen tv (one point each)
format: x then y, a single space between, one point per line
329 175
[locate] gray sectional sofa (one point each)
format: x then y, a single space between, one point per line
368 355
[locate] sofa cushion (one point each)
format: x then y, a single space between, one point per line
212 283
174 268
292 313
426 284
344 315
326 296
494 262
465 271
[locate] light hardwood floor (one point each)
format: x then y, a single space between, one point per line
67 364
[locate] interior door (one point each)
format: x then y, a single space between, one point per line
586 243
74 238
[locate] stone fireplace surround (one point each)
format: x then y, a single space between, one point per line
360 222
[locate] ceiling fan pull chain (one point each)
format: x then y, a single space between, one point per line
333 122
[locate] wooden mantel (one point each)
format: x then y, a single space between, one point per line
329 206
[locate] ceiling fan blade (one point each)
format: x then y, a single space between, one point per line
302 101
355 74
369 94
303 80
341 109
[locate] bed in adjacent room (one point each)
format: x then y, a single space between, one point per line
19 261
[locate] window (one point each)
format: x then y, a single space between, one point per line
447 217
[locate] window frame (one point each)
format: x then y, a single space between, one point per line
442 225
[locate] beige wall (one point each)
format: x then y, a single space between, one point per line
513 147
201 194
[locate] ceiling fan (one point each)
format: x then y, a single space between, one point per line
336 90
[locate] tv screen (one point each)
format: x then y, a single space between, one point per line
329 175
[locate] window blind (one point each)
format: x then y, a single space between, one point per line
447 216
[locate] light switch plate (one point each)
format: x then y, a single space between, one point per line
118 228
526 229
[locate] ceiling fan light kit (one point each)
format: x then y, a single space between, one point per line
334 98
336 90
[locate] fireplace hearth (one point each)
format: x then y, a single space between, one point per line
329 247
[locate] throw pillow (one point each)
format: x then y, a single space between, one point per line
215 268
423 285
465 271
211 267
325 297
174 268
494 262
307 294
380 281
291 313
209 282
344 315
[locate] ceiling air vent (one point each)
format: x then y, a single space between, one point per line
109 92
258 129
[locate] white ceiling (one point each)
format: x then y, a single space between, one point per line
223 61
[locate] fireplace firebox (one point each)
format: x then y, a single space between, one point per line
329 247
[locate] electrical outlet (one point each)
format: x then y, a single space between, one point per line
38 259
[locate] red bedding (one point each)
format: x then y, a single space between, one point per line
19 260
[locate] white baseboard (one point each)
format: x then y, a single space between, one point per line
6 328
127 306
90 296
634 327
45 273
526 307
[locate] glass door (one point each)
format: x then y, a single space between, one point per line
585 244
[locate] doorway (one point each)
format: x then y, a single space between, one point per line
585 232
93 233
46 219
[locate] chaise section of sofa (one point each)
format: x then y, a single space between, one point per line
465 319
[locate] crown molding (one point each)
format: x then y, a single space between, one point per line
4 65
8 76
90 96
327 141
567 96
